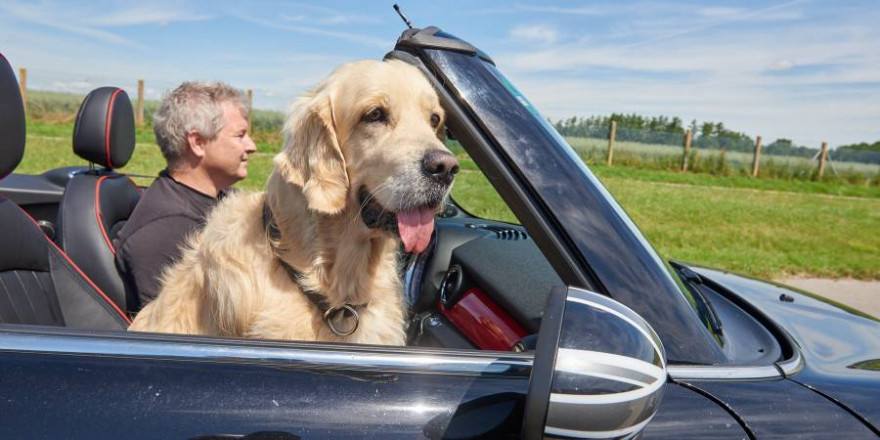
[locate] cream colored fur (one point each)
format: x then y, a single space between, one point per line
228 281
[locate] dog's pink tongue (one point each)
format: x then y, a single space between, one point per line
415 229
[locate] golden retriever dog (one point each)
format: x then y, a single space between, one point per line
313 258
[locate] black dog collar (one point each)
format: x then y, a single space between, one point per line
335 317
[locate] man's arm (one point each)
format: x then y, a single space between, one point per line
152 248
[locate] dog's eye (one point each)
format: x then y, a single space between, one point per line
435 120
375 115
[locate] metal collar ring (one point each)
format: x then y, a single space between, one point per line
333 311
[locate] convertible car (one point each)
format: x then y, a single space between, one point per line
566 326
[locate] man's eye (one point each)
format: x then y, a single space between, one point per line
435 120
376 115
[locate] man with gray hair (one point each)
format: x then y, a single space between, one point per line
202 131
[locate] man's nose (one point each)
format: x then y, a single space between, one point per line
439 165
251 146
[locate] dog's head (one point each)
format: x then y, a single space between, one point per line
370 135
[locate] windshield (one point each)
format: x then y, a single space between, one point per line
561 141
611 248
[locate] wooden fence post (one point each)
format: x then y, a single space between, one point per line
611 137
139 113
757 159
250 98
22 86
822 158
688 137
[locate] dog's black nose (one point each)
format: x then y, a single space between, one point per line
440 165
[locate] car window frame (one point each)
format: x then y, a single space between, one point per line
34 339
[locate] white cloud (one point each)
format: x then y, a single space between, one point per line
540 34
340 19
331 19
848 50
781 12
309 30
582 10
721 12
333 16
88 20
672 21
296 17
147 14
781 65
547 9
56 19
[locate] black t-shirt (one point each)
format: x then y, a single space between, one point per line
150 241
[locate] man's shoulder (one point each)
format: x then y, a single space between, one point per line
162 205
157 228
166 197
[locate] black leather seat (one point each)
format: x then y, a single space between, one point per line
38 282
98 202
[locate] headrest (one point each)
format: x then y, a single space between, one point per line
12 124
104 129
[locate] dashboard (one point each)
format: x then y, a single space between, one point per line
481 284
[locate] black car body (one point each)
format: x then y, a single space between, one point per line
744 358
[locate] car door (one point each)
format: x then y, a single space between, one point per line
58 383
77 384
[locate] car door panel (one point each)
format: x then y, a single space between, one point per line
127 387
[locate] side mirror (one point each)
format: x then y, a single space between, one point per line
599 370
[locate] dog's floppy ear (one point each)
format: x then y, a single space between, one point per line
311 157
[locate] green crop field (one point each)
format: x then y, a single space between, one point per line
759 227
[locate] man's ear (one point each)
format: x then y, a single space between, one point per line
196 143
311 157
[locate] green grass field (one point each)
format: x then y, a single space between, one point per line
758 227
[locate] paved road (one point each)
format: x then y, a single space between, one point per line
860 295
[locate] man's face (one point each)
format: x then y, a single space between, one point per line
226 156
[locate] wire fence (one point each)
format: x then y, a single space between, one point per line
612 145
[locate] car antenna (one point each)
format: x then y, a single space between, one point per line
400 13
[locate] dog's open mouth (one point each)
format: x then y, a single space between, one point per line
414 226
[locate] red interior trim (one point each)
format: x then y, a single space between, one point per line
109 124
485 323
73 265
98 216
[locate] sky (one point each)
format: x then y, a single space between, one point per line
805 70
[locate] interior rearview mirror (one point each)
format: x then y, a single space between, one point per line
599 370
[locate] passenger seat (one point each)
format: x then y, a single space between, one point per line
97 202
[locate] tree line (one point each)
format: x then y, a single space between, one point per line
864 146
665 130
